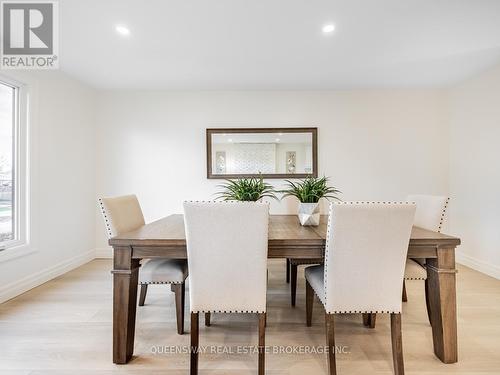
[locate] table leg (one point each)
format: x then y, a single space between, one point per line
441 278
125 278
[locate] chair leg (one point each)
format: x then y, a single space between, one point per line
397 344
180 292
142 296
287 270
366 320
330 342
195 337
369 320
293 282
309 303
405 297
262 343
427 301
207 319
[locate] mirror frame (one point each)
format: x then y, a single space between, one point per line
313 131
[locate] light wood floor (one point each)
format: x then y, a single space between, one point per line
64 327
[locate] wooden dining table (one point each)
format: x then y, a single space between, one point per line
165 238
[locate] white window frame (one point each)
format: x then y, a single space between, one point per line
18 246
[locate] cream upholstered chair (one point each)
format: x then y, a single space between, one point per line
123 214
227 257
431 212
365 256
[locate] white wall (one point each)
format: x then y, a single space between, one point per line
375 145
62 128
475 170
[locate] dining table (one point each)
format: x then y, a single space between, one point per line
165 238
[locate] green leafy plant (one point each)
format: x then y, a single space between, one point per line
246 189
311 190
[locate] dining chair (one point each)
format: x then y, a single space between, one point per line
227 258
430 214
365 255
123 214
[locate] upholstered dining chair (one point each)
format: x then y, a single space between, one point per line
227 258
123 214
365 256
430 214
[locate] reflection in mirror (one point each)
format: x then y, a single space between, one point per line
267 153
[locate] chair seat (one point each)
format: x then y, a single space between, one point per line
415 270
163 271
315 275
300 261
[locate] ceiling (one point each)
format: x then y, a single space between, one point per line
278 44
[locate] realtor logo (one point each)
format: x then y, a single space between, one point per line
29 35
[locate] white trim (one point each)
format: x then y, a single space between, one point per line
104 253
21 197
478 265
16 252
32 281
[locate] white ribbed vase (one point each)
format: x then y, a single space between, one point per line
309 214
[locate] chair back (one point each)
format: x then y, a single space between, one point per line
431 211
121 214
227 255
365 256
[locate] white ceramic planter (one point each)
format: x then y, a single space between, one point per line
309 214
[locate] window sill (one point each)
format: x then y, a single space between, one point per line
14 252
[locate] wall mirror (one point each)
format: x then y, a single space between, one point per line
270 152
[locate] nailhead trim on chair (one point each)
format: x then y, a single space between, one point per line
302 261
227 202
106 220
358 312
327 248
366 312
230 311
162 282
443 213
327 252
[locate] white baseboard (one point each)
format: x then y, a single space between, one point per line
29 282
478 265
104 253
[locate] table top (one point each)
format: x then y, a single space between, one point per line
283 230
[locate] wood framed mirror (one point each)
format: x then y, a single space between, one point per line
266 152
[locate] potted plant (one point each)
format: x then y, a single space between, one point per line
246 190
309 192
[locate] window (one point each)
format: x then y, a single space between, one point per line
11 163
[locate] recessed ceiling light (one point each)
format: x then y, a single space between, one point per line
229 140
328 28
277 139
122 30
